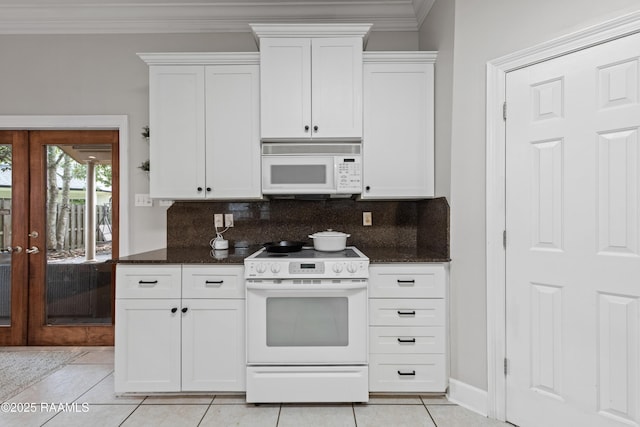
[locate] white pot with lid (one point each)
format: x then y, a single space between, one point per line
329 241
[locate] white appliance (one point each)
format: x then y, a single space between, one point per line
307 317
306 168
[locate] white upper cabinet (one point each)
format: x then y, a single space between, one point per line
232 131
398 142
310 81
177 129
204 125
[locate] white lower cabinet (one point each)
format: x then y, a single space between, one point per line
179 328
408 328
213 345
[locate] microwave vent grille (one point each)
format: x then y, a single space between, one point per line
291 149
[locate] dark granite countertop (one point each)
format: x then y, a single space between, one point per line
378 254
200 255
195 255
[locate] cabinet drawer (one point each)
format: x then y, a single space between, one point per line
402 281
407 372
200 281
406 339
406 312
149 281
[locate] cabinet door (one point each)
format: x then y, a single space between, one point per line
232 136
147 350
398 153
336 93
176 122
213 356
285 88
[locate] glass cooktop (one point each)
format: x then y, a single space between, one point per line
309 252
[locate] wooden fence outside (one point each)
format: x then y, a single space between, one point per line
74 237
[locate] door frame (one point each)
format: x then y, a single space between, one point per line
71 122
497 70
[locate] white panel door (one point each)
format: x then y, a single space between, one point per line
233 139
573 260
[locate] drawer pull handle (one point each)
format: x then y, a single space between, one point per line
214 282
412 373
406 282
147 282
412 340
406 313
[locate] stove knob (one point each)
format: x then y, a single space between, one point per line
352 267
275 268
261 268
337 268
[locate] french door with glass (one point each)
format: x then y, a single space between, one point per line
58 233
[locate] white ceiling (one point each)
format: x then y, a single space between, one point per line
196 16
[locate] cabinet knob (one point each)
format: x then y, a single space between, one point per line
367 188
174 309
306 128
184 309
315 128
208 189
199 189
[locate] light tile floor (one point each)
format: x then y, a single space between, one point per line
86 387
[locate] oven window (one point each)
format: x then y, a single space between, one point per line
299 174
308 322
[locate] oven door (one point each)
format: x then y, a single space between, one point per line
324 323
298 175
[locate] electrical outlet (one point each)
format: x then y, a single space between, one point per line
228 220
217 220
366 219
143 200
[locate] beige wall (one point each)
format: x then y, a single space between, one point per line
484 31
101 74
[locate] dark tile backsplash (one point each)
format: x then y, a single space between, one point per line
422 224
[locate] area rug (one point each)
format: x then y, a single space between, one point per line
20 369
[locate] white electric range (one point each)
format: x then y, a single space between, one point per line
307 320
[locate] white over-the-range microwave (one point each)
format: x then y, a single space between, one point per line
289 168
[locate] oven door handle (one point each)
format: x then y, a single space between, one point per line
318 287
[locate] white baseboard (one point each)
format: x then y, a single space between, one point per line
468 396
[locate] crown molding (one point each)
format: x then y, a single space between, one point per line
201 58
199 16
406 57
422 8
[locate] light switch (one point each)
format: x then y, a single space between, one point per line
143 200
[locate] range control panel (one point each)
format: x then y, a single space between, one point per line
263 268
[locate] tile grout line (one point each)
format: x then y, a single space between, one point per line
428 412
206 410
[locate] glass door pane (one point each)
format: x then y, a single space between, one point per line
6 249
78 237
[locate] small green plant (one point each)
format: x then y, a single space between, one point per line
145 133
